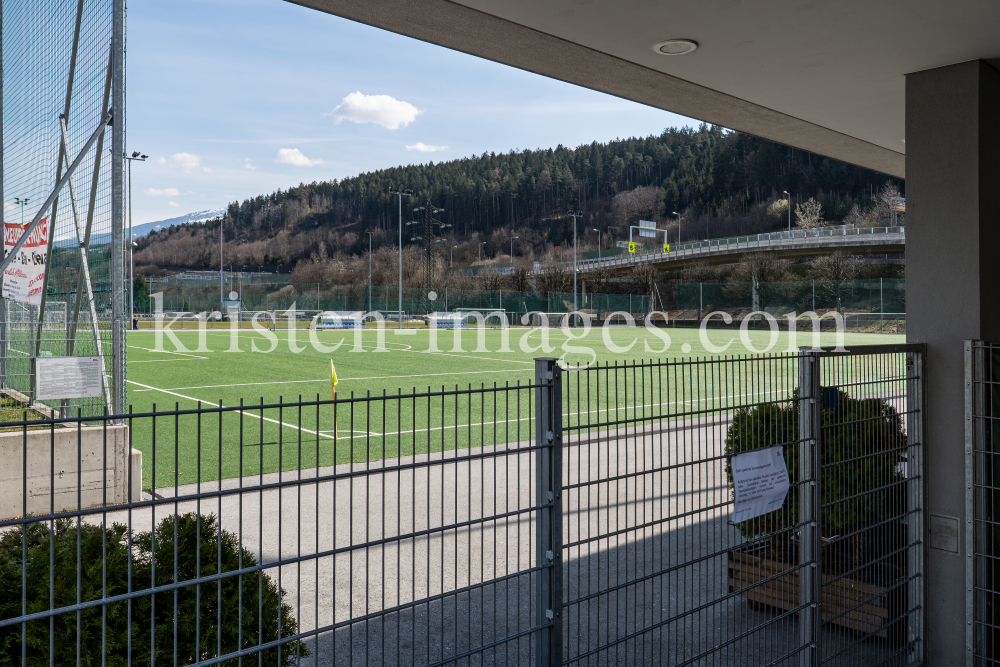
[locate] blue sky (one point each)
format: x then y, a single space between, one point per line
233 98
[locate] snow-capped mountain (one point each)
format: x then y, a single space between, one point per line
197 216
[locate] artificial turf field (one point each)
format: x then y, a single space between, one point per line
449 410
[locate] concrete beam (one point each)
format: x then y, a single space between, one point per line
953 168
477 33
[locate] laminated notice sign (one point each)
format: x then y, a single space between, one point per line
25 275
761 483
68 377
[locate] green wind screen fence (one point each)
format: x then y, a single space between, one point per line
684 301
848 296
201 295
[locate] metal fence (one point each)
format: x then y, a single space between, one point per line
982 373
62 73
204 295
584 519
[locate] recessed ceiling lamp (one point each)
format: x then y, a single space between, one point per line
675 47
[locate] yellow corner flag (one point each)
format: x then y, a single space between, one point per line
333 390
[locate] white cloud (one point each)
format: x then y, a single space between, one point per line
294 156
172 204
383 110
247 164
186 162
421 147
165 192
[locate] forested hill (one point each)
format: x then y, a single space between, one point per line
720 182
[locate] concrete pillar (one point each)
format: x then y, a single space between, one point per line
952 294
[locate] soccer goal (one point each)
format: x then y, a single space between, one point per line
546 320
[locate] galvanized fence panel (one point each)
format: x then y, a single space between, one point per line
585 519
982 375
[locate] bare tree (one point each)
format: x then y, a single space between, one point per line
555 277
809 214
763 267
700 272
886 199
519 279
642 278
860 218
833 271
643 202
759 275
490 279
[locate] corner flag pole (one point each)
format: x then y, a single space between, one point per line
333 390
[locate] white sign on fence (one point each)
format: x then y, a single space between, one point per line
761 482
23 279
68 377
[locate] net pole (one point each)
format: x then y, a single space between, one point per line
70 343
55 204
118 211
85 275
3 219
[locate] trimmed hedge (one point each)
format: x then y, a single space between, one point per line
861 443
111 625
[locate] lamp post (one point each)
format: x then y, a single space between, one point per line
789 209
574 215
451 262
512 249
598 244
678 226
481 244
131 239
400 194
21 202
370 270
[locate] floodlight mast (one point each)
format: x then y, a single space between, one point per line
575 215
136 155
399 194
789 209
370 270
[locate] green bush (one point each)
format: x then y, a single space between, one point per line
861 442
258 592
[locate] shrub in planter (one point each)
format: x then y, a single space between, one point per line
152 559
64 628
861 443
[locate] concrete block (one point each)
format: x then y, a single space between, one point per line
67 468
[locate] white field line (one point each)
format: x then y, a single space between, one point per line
244 412
404 348
323 434
568 414
342 379
191 357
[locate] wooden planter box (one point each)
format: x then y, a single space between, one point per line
747 570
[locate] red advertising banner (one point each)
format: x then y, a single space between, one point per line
23 279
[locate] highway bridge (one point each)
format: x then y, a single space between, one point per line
794 244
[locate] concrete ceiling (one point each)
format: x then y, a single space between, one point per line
826 77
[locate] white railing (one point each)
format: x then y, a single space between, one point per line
733 244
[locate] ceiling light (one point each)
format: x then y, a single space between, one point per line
675 47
